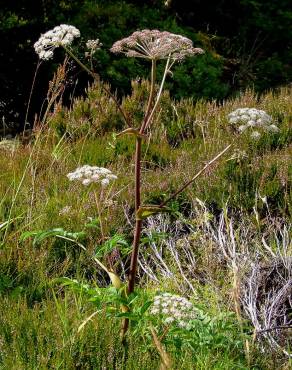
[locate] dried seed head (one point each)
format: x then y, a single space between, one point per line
154 45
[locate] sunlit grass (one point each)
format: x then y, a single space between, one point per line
38 320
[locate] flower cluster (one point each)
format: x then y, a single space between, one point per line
62 35
174 309
9 145
93 45
154 45
92 174
252 118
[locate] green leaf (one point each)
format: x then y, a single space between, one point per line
131 131
41 235
109 245
147 211
145 307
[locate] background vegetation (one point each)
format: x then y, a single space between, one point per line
252 185
248 43
228 235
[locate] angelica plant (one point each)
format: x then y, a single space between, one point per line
101 176
156 47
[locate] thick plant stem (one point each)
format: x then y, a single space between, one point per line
180 190
138 173
138 228
134 257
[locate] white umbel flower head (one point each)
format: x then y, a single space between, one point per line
252 120
92 174
174 309
93 45
62 35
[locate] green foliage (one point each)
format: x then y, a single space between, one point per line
193 130
44 317
116 241
200 78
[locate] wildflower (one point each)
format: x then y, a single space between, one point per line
62 35
273 128
169 320
92 174
174 309
255 135
154 45
93 45
9 145
250 119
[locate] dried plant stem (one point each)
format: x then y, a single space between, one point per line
166 363
236 298
96 78
99 217
30 95
195 177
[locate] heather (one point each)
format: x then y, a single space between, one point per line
189 252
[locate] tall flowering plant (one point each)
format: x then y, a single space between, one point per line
155 46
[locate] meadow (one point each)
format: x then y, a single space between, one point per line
224 243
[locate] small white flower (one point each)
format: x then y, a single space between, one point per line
233 119
86 182
93 45
65 210
95 177
255 135
178 309
273 128
251 123
169 320
105 182
182 324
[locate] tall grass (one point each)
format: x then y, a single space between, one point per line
39 320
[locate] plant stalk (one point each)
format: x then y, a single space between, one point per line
195 177
96 78
149 117
151 96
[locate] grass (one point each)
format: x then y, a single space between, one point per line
39 320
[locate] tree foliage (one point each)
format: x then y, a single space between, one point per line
247 42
